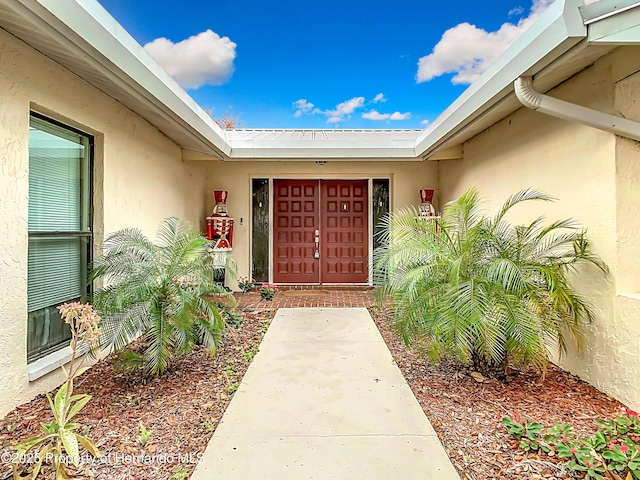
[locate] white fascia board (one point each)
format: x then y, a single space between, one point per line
621 28
557 30
301 153
313 149
102 39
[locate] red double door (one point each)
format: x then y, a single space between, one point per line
320 231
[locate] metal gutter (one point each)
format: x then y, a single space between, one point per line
557 31
555 107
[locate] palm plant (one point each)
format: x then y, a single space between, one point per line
478 287
158 291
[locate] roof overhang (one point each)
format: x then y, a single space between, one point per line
567 38
84 38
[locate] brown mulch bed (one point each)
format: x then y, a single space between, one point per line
466 413
182 408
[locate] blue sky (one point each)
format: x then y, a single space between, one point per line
328 64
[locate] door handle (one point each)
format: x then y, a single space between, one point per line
316 254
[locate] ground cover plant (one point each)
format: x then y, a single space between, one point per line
479 288
613 451
160 291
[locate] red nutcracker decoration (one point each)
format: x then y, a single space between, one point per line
220 224
426 207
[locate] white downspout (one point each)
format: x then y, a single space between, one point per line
570 111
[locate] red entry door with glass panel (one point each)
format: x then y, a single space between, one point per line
320 232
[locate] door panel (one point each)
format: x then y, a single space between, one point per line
338 209
296 216
344 238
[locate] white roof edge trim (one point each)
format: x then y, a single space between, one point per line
602 9
93 30
557 30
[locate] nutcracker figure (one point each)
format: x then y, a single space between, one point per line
220 224
426 206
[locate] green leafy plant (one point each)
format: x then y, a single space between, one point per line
180 473
613 451
160 292
478 287
61 443
230 315
145 435
268 291
209 426
246 284
526 431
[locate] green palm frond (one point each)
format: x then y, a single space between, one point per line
158 291
481 288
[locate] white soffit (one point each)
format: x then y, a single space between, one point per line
83 37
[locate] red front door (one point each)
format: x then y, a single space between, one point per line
320 231
295 222
344 238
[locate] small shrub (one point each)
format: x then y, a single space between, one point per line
246 284
268 291
478 287
162 292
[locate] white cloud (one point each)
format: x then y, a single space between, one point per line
400 116
379 98
519 10
467 50
343 111
425 122
302 106
203 59
375 115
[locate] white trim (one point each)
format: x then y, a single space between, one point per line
54 360
271 197
49 363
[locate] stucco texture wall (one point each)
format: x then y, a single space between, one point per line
406 180
594 176
139 180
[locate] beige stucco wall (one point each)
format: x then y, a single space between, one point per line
595 176
139 179
406 180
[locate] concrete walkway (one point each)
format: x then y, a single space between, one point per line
324 400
